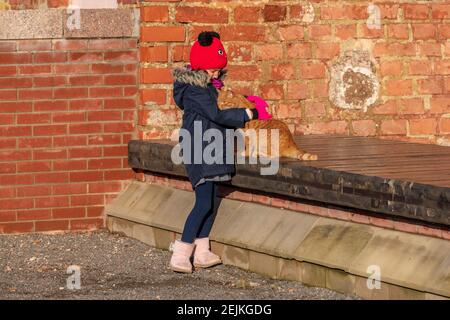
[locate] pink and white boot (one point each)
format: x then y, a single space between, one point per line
181 257
203 257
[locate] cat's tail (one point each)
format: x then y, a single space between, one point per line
296 153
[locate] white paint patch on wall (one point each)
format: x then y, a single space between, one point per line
93 4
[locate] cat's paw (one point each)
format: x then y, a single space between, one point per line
309 156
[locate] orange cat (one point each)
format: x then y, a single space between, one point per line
287 147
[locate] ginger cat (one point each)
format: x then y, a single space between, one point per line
287 148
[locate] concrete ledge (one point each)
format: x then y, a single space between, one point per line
52 24
290 245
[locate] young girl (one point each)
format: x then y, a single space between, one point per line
195 92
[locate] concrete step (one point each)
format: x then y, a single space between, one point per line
290 245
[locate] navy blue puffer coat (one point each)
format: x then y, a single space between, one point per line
197 97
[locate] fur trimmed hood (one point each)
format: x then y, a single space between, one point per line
194 77
184 77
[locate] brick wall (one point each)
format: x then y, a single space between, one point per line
67 109
285 50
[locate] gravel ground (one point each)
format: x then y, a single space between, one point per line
34 266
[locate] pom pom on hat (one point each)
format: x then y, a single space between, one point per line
208 52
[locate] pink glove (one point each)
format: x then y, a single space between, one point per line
262 107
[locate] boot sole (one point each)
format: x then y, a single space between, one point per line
207 265
180 270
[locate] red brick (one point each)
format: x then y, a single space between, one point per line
201 15
35 142
52 225
411 106
288 110
327 50
8 71
12 83
120 103
444 31
85 128
360 218
15 58
391 68
35 94
315 109
72 68
440 104
318 31
292 32
247 14
53 201
18 203
273 13
420 67
89 152
345 31
430 49
86 176
69 141
382 222
87 199
394 49
154 95
155 54
424 31
155 13
297 91
7 216
430 86
86 80
56 81
49 57
8 95
364 127
179 53
300 50
120 80
34 166
122 56
70 45
406 227
269 52
339 214
156 75
312 71
16 227
444 125
104 163
389 127
422 126
118 127
442 67
119 174
49 154
95 211
242 33
68 117
71 93
8 46
104 139
91 104
163 33
16 179
104 115
68 213
416 11
50 105
432 232
440 11
69 189
87 224
105 92
34 45
106 44
398 87
271 91
107 68
85 56
40 214
15 131
398 31
282 71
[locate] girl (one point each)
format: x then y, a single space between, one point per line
195 92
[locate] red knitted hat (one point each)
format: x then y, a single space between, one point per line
208 52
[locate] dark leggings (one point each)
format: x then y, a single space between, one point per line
200 220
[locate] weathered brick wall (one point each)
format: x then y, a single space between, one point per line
67 112
285 51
